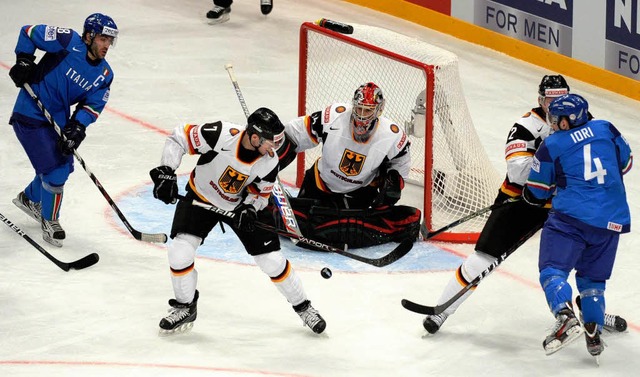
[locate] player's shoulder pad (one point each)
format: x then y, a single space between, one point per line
391 131
335 111
54 33
211 132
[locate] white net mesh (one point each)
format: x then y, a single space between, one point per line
462 178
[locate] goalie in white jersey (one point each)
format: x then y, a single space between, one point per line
351 191
236 171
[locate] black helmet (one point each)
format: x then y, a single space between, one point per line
553 86
265 123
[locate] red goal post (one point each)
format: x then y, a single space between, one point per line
451 175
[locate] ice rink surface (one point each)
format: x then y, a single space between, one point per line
169 70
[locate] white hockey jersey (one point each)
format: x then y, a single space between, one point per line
346 164
226 171
524 138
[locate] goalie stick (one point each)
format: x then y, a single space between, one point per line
280 195
434 310
84 262
398 252
147 237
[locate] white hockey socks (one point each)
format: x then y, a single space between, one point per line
469 270
282 274
184 276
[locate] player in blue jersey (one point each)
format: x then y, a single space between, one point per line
582 163
514 223
72 71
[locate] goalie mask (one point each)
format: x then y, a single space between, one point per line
368 104
266 124
551 87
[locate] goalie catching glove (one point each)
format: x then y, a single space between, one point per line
390 190
165 186
246 217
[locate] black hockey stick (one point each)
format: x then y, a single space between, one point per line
427 235
281 198
434 310
81 263
147 237
400 251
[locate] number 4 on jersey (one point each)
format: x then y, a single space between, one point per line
589 174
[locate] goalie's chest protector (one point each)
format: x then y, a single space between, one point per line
220 176
346 164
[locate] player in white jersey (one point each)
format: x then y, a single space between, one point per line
513 223
360 175
236 171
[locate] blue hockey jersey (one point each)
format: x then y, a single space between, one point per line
64 77
584 166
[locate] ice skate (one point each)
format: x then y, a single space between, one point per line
612 322
310 317
266 6
218 14
432 323
566 330
52 232
181 316
32 209
595 345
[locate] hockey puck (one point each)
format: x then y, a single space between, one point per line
326 273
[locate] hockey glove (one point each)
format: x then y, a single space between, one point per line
165 186
245 218
530 199
390 191
74 133
21 72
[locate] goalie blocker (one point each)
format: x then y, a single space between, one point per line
355 228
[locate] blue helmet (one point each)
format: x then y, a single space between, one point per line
572 106
99 23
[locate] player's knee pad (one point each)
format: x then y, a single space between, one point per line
56 178
182 250
556 288
592 300
590 286
475 264
272 264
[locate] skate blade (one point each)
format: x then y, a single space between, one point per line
25 210
52 241
222 19
556 345
178 330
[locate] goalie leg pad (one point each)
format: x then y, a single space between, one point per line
357 228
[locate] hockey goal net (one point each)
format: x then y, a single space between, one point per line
451 176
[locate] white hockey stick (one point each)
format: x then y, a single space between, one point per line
279 193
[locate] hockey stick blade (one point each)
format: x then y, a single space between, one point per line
84 262
147 237
80 264
434 310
